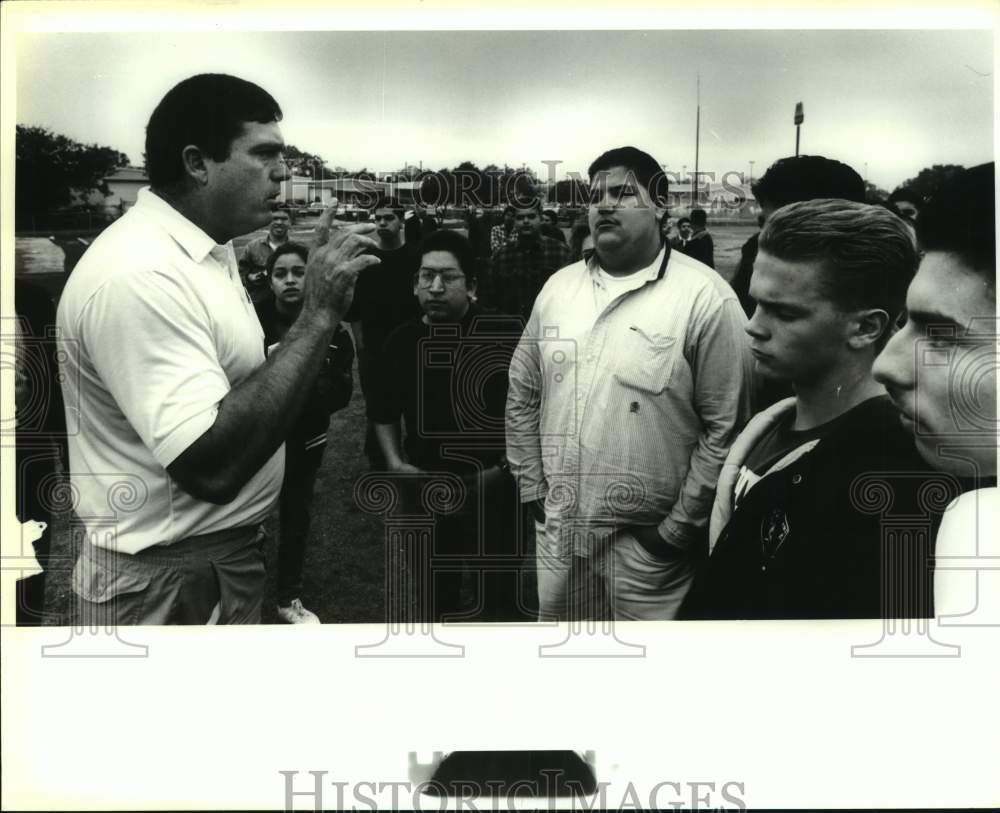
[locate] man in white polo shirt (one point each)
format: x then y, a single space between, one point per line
169 374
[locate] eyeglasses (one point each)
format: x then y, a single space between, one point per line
448 278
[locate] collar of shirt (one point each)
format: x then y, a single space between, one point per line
647 274
189 237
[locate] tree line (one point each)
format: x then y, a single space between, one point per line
54 172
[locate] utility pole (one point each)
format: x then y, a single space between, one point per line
751 172
697 142
799 118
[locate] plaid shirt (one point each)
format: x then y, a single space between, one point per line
499 237
519 270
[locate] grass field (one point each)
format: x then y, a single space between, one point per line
345 573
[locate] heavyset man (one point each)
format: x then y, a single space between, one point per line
630 382
789 537
174 393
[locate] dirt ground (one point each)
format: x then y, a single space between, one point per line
345 571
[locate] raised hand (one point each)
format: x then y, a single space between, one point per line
335 261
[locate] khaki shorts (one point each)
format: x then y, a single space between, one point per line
212 578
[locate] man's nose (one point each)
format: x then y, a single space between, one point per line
604 203
755 327
893 367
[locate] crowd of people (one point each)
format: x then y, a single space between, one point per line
606 411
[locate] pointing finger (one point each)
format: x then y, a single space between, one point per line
324 224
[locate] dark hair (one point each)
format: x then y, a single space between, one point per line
807 177
412 229
508 210
867 253
683 220
386 202
579 232
209 111
906 193
455 244
699 217
287 248
960 218
551 212
647 172
533 202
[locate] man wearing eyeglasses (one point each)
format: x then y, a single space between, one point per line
445 375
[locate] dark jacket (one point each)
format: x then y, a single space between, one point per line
824 510
331 391
700 247
740 282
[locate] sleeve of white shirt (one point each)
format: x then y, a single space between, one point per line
723 374
150 341
523 414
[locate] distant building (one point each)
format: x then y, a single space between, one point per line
123 185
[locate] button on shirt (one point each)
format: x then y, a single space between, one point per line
159 329
625 397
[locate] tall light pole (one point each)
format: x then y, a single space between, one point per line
751 172
799 118
697 142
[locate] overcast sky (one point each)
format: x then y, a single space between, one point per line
898 100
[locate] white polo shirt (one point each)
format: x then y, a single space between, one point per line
158 329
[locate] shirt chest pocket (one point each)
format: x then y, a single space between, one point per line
644 360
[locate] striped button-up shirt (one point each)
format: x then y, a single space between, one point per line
622 405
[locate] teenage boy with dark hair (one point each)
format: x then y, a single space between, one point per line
550 225
453 416
504 232
699 244
789 180
519 269
383 300
787 539
940 371
906 202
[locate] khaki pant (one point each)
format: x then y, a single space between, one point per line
212 578
622 580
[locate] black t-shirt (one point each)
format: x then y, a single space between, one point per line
777 442
449 384
383 295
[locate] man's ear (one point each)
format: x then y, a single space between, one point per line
195 164
470 286
867 327
660 207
